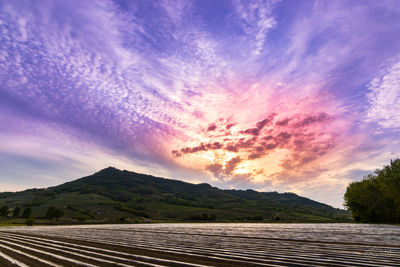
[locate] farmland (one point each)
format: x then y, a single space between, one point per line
201 244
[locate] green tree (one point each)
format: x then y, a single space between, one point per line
17 212
27 212
377 197
54 213
30 221
4 211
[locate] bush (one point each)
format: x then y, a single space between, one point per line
4 211
30 221
27 212
17 212
80 218
54 213
202 217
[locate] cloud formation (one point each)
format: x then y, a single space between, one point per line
297 135
384 98
257 94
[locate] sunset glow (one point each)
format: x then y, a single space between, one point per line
300 96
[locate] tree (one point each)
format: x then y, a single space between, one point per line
17 212
4 211
54 213
30 221
377 197
27 212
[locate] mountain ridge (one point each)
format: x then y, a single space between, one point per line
111 194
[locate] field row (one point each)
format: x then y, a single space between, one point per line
108 246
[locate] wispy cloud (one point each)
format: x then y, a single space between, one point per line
274 95
384 99
257 20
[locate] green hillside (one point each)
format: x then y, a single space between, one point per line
112 195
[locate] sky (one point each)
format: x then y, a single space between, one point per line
286 96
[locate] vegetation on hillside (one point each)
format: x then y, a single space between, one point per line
115 196
376 198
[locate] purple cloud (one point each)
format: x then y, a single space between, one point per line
135 80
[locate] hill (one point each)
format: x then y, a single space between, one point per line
112 195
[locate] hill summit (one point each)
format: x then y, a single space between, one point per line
113 195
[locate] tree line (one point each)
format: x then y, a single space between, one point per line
52 212
376 199
16 212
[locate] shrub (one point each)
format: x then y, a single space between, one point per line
17 212
30 221
54 213
4 211
27 212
